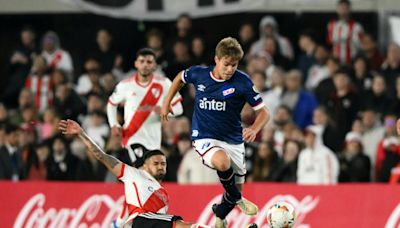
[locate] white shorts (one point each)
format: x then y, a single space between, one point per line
207 148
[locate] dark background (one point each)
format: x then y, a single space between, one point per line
78 31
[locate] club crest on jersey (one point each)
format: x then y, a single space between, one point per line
228 92
156 92
201 87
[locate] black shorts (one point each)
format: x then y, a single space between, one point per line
155 220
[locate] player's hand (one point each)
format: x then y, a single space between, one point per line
157 110
249 135
165 110
398 126
116 131
69 127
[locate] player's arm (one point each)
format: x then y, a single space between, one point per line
176 85
262 117
70 127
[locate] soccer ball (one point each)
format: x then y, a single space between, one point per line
281 215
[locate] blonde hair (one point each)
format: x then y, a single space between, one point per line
229 47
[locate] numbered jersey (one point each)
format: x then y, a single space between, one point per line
218 104
141 124
143 193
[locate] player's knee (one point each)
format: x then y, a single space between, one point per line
221 161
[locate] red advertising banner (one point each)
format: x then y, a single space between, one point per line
72 204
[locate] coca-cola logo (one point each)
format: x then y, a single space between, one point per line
87 214
394 218
236 219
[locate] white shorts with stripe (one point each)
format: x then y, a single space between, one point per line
207 148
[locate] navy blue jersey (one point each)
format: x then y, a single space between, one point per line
218 103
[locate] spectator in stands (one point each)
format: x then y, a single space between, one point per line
272 97
391 67
58 77
97 127
362 77
326 87
372 133
11 165
68 103
90 169
38 169
301 103
271 46
262 61
389 124
355 166
286 170
192 171
344 33
154 40
370 51
181 59
308 47
4 116
343 104
39 82
319 71
377 98
62 164
89 81
48 128
265 161
246 36
106 54
282 119
55 56
200 54
329 130
395 106
108 83
269 28
184 29
183 145
390 158
317 164
25 99
20 62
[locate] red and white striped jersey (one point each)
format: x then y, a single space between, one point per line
141 124
59 59
143 193
345 37
41 88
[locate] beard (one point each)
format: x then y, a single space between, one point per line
159 176
281 123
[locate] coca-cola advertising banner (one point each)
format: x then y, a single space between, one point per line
81 205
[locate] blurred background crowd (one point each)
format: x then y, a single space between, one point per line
329 88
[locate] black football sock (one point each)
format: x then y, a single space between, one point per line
227 179
222 210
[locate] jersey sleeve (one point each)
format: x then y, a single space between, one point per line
117 96
188 76
128 173
252 96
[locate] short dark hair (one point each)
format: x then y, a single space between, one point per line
10 128
152 153
347 2
145 51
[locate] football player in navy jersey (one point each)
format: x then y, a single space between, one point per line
217 134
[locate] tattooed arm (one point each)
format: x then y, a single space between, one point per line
70 127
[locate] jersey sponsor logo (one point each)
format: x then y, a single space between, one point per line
201 87
212 105
228 92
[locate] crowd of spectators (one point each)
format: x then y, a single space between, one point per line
333 105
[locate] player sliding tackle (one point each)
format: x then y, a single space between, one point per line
221 92
146 208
